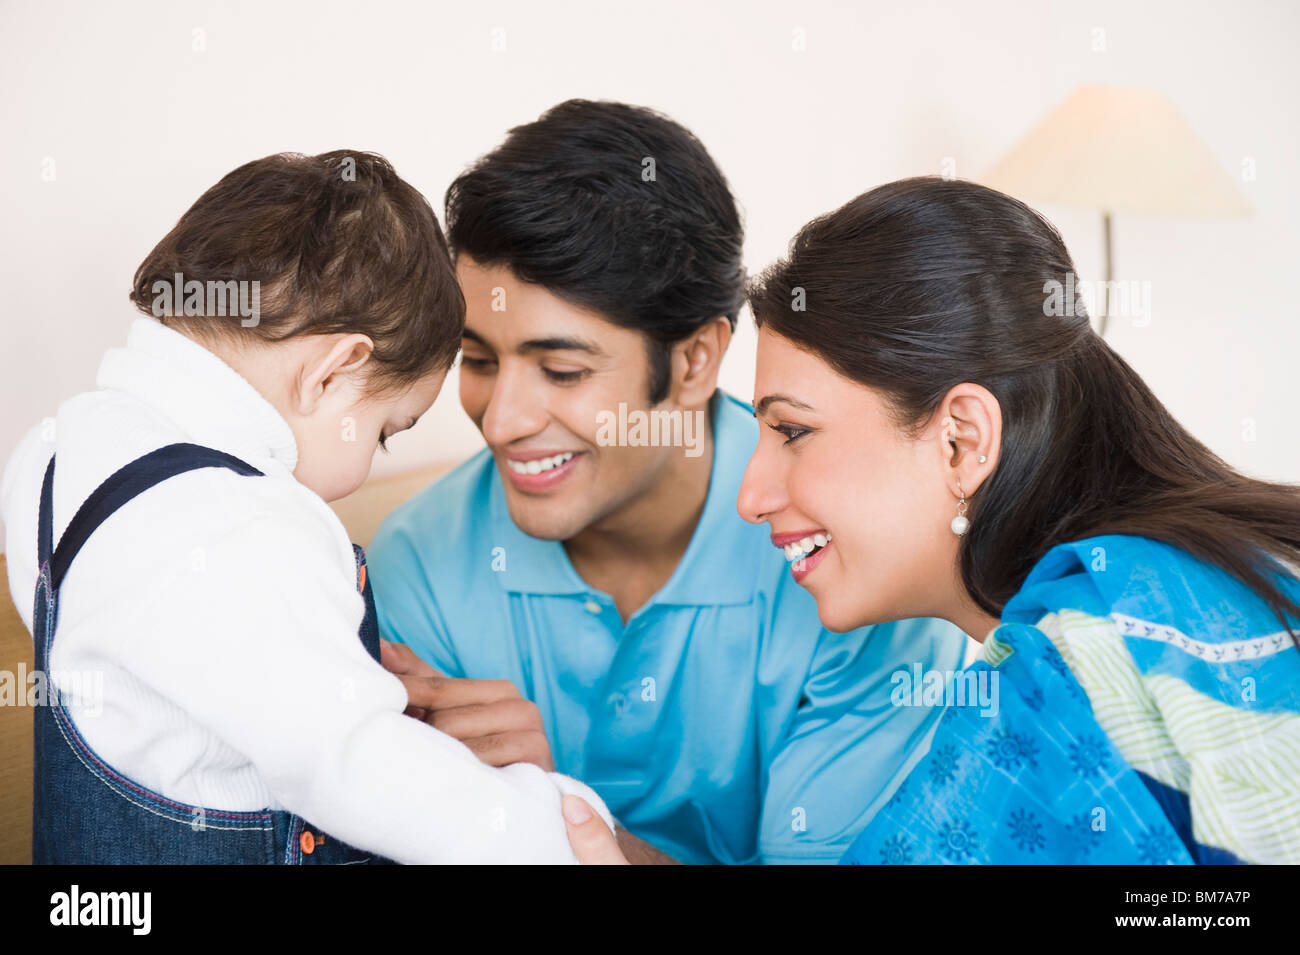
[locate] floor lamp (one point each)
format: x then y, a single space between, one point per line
1119 150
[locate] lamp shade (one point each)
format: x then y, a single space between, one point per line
1120 150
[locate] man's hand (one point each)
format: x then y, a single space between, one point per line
488 716
590 838
639 852
594 844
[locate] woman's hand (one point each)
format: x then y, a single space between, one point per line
590 838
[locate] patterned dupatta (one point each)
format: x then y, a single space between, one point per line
1140 706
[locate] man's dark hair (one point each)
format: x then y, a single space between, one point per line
614 208
337 243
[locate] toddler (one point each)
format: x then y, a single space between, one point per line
169 532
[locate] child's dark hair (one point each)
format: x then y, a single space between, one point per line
567 202
337 243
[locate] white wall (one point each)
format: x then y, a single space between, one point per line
139 123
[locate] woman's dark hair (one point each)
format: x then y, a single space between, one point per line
614 208
919 285
336 242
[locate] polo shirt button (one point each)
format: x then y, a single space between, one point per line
591 606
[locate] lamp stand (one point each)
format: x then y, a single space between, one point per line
1105 309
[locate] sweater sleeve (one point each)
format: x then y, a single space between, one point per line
254 636
19 484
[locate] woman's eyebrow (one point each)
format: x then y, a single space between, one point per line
762 406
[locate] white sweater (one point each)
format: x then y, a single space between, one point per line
222 612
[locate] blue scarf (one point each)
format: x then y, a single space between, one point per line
1035 779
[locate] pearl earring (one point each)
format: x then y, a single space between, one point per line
960 523
983 458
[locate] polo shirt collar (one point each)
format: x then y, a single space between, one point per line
710 573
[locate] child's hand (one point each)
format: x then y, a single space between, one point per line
491 717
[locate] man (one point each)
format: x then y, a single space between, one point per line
592 555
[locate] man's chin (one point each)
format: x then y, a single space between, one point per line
543 519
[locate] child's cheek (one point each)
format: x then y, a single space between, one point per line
360 464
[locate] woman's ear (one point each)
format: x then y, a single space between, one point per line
969 423
326 365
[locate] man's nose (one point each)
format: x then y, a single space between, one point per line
515 410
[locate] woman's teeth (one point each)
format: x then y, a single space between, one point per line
806 546
538 465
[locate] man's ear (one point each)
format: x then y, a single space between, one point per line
328 366
697 360
968 429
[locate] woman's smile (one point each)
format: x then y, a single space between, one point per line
804 549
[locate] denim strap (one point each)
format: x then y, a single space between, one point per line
121 486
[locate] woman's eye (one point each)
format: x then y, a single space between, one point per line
562 377
792 432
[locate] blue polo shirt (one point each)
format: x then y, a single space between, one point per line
722 723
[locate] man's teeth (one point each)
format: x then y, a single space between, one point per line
806 546
538 465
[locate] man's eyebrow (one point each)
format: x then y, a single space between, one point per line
560 343
762 406
554 343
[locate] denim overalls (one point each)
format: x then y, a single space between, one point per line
84 811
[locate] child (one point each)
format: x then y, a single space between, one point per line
305 309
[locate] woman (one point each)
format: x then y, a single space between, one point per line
971 451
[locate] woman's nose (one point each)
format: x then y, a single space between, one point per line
762 490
